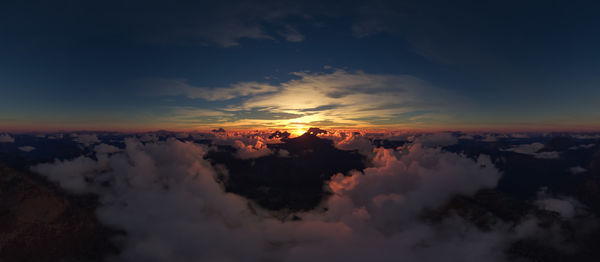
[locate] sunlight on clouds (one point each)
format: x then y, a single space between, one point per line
333 99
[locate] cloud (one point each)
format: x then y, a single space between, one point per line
489 138
291 34
357 98
56 136
225 24
584 146
422 177
105 149
86 139
437 139
190 117
434 34
70 174
356 141
519 135
149 137
587 136
563 207
165 195
257 150
185 214
577 170
533 150
567 207
337 98
191 113
466 137
26 148
375 19
180 87
6 138
547 155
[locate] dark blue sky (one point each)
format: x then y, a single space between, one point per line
144 65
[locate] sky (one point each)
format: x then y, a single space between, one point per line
147 65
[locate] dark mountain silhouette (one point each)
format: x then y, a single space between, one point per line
295 182
279 134
315 131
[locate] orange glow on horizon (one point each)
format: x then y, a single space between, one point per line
295 129
297 132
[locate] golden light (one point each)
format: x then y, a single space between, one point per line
297 129
298 132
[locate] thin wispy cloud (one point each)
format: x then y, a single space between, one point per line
180 87
333 98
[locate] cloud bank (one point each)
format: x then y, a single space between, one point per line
168 199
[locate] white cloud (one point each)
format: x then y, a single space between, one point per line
165 196
70 174
547 155
533 150
106 149
584 146
587 136
56 136
527 149
6 138
257 150
354 142
577 170
563 207
424 177
26 148
567 207
176 87
519 135
86 139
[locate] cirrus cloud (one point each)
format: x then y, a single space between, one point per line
335 98
180 87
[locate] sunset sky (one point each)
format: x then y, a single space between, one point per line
428 65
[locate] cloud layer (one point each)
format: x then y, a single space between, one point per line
167 198
333 98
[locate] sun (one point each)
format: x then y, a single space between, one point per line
298 131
